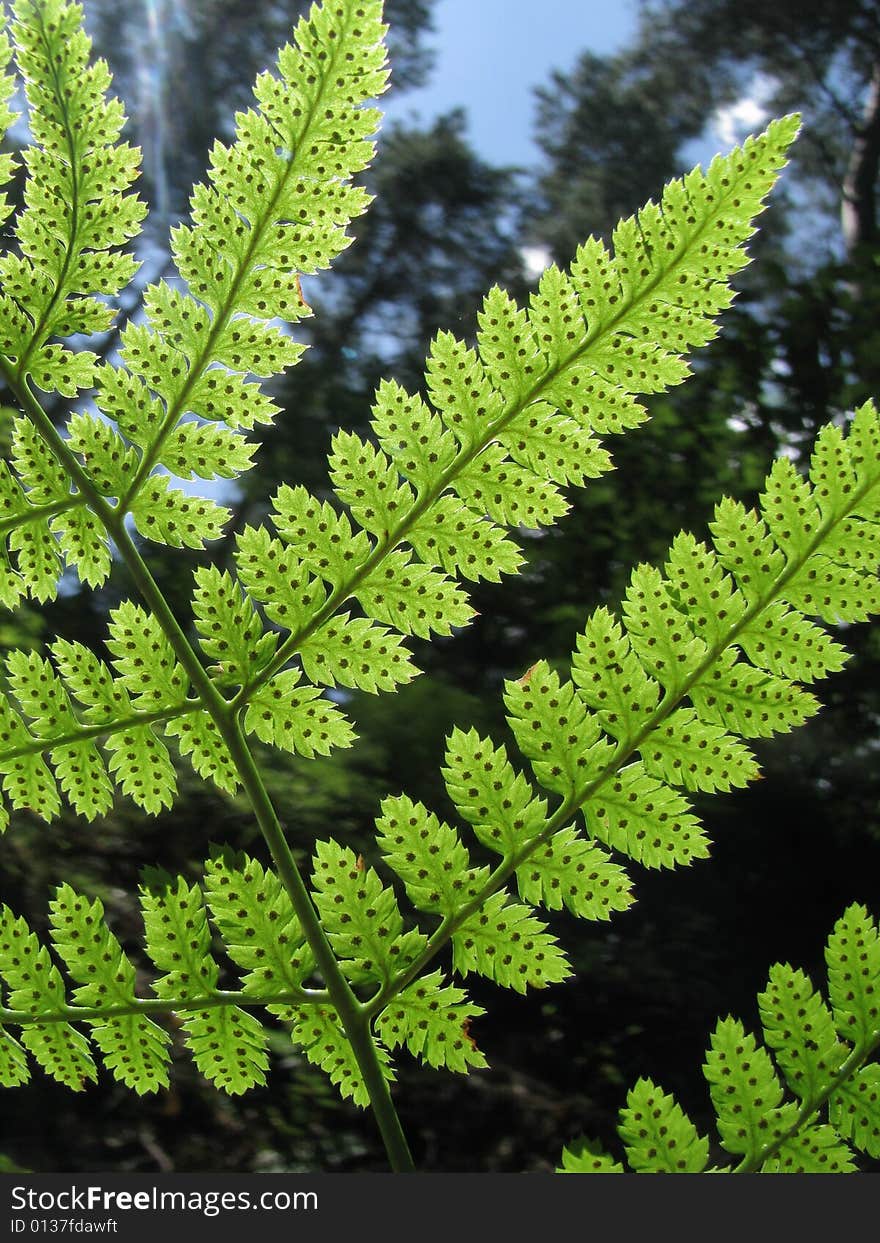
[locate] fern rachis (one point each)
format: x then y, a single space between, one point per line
327 593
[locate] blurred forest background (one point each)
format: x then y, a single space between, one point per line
800 347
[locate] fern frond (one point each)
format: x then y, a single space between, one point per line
414 513
77 207
276 204
829 1102
245 908
424 501
181 401
661 704
65 265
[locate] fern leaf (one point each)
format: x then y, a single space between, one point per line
748 702
77 209
413 598
659 1137
228 1044
253 914
698 755
77 214
357 653
432 1019
814 1150
263 216
35 986
427 855
854 1110
625 702
13 1062
568 870
270 574
361 917
799 1029
853 958
144 659
7 116
553 728
27 781
229 630
79 767
319 1034
167 515
425 499
134 1048
646 820
296 718
505 942
745 1089
587 1157
659 706
499 803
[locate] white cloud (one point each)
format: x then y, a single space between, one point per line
733 123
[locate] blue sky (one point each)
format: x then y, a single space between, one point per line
490 54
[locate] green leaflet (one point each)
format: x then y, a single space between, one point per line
133 1047
587 1157
853 958
254 916
657 1134
504 941
34 986
361 917
429 1018
228 1044
318 1032
835 1110
428 856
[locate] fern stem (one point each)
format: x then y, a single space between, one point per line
103 730
151 1005
624 751
38 513
351 1012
